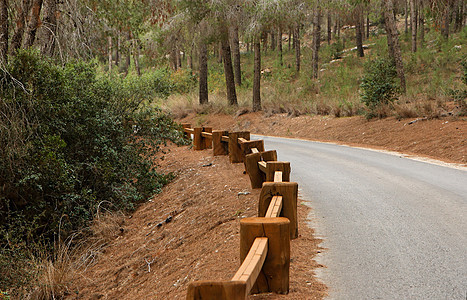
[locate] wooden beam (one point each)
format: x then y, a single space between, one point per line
189 130
242 140
225 139
262 166
254 150
219 148
206 135
278 176
216 290
275 207
253 263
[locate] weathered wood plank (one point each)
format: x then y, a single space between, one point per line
207 137
252 168
218 147
225 139
235 150
262 166
254 150
274 166
253 263
278 176
274 208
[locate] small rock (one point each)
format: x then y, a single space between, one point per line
169 219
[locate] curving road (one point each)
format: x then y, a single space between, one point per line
395 228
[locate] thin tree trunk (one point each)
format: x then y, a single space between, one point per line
368 25
264 37
3 31
257 76
203 73
329 27
446 21
117 50
189 59
338 28
297 48
455 10
49 26
406 17
290 37
178 58
422 24
109 53
21 20
359 31
236 56
273 40
316 40
136 56
393 42
279 45
126 65
228 70
34 21
336 22
413 22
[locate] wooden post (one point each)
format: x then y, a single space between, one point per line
248 145
235 151
274 276
273 166
198 139
251 166
216 290
186 125
207 141
218 147
289 193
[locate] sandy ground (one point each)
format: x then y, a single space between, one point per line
203 205
443 139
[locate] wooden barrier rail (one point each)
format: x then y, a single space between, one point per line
264 240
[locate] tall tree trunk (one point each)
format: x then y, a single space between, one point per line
421 15
336 22
393 42
290 37
297 48
257 76
455 10
446 21
49 26
413 22
368 25
126 65
406 16
329 27
173 58
21 21
279 45
109 53
236 56
358 30
3 31
178 58
338 28
316 40
203 73
189 59
136 56
264 37
34 21
117 50
273 40
228 69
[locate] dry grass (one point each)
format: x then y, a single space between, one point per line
56 272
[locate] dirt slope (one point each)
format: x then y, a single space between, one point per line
444 139
201 242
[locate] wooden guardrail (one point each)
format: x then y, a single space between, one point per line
264 240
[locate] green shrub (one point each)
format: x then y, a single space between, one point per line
71 140
378 86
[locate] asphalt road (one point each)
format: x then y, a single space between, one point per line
395 228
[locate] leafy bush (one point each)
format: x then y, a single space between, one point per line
378 87
71 140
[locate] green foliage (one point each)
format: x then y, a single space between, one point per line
378 87
71 140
